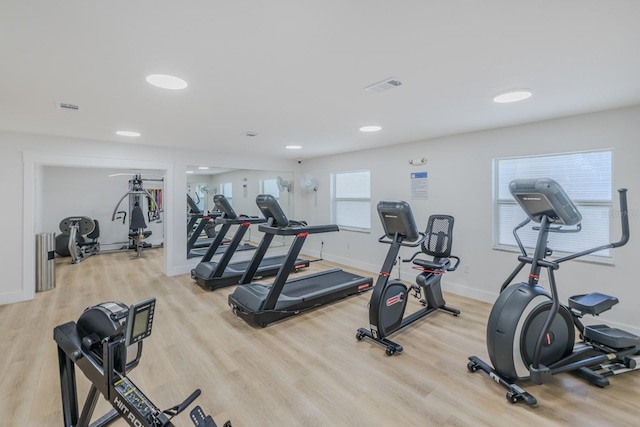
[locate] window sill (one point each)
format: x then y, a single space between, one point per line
592 259
355 229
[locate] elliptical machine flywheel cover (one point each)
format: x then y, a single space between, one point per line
514 325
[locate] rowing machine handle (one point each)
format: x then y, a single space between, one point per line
182 406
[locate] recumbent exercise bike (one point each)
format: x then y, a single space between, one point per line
106 344
530 335
389 298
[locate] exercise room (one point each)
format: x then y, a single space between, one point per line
318 214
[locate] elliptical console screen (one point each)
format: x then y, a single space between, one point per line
139 321
537 206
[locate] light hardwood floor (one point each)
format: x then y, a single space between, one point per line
308 370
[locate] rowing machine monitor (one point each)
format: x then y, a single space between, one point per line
139 321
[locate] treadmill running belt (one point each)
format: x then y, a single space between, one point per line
302 286
199 252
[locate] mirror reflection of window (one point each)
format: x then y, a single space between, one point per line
270 186
226 189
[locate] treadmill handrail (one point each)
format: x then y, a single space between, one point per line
297 229
240 220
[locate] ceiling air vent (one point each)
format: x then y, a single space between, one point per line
386 84
66 106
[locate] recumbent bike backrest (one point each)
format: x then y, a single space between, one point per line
439 238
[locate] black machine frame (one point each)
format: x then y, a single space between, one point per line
211 275
105 361
546 343
260 305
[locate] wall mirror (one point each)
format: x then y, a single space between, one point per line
240 187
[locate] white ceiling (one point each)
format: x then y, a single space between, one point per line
294 71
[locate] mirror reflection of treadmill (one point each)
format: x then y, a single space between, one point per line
211 275
261 304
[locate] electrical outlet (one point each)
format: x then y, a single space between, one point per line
467 269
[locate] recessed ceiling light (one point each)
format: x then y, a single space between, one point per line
189 171
512 96
166 82
127 133
203 167
370 128
293 147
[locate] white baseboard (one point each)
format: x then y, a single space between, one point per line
13 297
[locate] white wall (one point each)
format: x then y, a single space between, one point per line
22 159
460 184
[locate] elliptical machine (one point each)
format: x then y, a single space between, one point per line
389 298
530 335
106 344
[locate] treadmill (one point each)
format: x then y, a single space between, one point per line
211 275
259 304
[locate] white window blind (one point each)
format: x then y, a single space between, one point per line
352 199
587 179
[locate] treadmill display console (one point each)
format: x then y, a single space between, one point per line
139 321
224 206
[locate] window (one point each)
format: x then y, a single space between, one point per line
587 179
226 191
270 186
351 199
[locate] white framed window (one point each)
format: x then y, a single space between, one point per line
226 189
587 179
351 200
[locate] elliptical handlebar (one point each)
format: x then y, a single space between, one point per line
624 219
624 238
